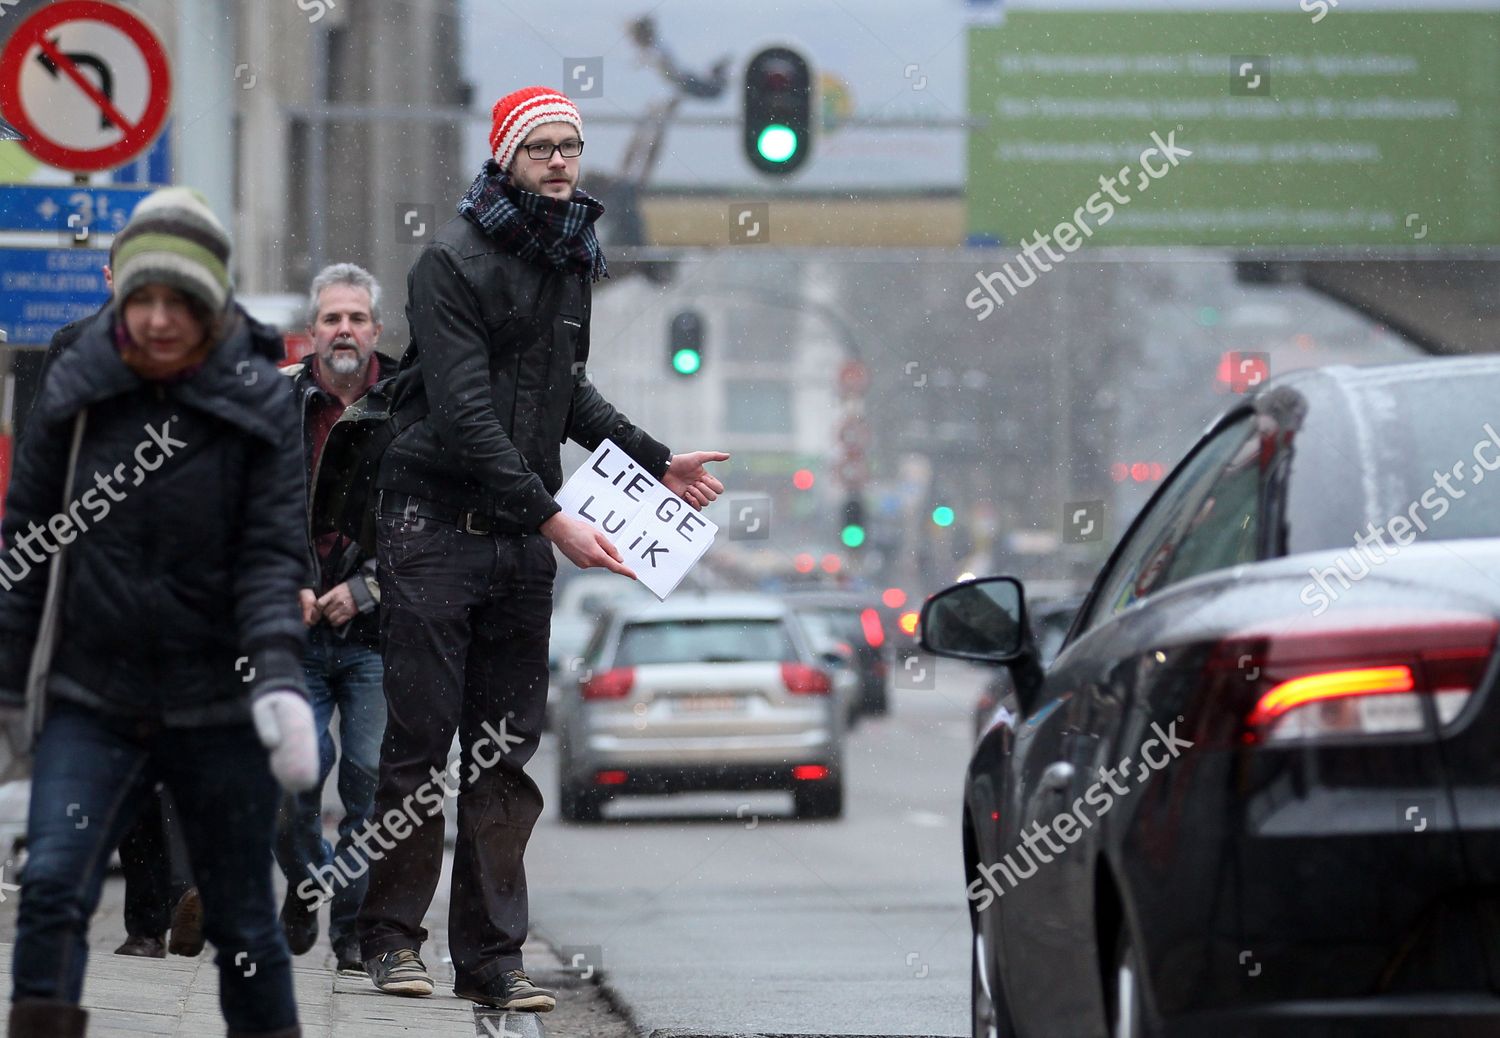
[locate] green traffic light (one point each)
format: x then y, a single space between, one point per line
777 143
853 536
687 362
942 515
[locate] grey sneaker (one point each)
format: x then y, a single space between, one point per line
400 972
512 990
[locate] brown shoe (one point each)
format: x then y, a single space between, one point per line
143 946
41 1018
187 926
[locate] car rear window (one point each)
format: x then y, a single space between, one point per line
829 627
704 641
1410 457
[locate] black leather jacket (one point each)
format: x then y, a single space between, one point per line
351 566
498 348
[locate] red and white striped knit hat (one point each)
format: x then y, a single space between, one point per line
516 115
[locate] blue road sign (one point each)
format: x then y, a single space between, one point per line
66 208
43 289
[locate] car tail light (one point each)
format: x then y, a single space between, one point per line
809 772
612 684
610 778
1373 681
803 680
869 619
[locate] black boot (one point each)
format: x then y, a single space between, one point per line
285 1032
298 922
41 1018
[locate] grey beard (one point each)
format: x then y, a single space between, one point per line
343 365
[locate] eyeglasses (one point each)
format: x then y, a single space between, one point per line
542 152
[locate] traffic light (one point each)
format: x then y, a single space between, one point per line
853 533
685 343
942 515
778 110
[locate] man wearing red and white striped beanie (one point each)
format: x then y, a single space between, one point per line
498 306
513 119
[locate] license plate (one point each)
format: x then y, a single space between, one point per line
708 704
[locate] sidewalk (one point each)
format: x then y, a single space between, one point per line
129 997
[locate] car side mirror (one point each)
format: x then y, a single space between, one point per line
985 621
982 620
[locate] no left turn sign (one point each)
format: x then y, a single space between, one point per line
87 82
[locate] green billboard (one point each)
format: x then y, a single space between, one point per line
1243 128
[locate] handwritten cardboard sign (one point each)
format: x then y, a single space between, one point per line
660 536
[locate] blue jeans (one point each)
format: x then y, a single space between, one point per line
91 775
348 676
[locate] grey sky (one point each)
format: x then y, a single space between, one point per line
869 44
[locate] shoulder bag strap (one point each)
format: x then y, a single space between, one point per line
51 619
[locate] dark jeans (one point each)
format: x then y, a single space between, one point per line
155 866
464 623
344 675
91 775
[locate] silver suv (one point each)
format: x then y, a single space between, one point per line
713 691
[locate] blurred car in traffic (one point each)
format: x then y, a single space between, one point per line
850 624
1265 765
717 691
580 602
1050 620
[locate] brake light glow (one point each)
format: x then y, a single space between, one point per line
610 778
612 684
869 619
809 772
802 680
1379 679
1334 684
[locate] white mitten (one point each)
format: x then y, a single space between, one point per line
284 722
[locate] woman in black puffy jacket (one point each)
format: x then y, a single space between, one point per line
177 648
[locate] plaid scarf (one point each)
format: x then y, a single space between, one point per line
535 227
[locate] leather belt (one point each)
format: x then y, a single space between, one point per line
409 506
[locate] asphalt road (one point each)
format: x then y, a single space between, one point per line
719 914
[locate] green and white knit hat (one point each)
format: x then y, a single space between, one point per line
173 238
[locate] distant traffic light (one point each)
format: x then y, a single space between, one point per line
942 515
685 343
853 533
778 115
803 479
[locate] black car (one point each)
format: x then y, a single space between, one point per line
1258 791
848 620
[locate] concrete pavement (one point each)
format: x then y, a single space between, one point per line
131 997
719 915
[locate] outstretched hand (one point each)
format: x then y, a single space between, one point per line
688 477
